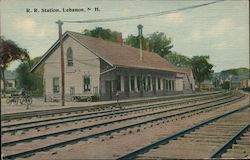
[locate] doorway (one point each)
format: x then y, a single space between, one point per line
108 90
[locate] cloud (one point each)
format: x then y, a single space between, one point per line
125 12
220 46
25 24
174 18
196 35
28 26
220 28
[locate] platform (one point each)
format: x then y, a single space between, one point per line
39 104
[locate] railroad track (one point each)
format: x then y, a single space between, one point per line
237 146
100 107
168 110
88 135
87 116
203 140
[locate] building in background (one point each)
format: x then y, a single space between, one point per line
207 85
10 80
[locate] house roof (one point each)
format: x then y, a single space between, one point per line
118 55
187 70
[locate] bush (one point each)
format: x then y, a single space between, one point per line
10 90
246 89
37 93
225 85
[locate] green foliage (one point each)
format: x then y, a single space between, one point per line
246 89
134 41
10 90
202 69
34 61
9 51
99 32
178 59
30 81
160 43
236 72
225 85
157 42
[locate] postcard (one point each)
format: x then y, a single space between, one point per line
113 79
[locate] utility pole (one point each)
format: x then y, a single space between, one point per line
140 35
60 23
1 69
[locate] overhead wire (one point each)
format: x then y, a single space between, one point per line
145 15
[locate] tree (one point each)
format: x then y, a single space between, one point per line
225 85
160 43
178 59
241 73
99 32
30 81
134 41
202 69
10 51
157 42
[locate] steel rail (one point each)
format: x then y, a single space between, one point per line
147 106
40 113
104 115
230 142
79 129
84 138
166 139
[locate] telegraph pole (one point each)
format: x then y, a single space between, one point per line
1 69
60 23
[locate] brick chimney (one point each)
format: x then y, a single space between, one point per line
140 36
118 38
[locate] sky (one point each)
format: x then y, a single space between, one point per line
219 30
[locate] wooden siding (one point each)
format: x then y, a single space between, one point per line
84 63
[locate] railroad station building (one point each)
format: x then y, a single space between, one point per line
102 68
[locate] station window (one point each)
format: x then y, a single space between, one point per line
56 85
144 83
149 83
86 83
69 56
72 91
166 84
132 83
159 83
173 85
118 82
170 85
9 84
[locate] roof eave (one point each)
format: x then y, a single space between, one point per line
152 68
97 54
48 52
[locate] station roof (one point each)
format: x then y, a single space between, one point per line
118 55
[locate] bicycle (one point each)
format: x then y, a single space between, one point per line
25 100
12 100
